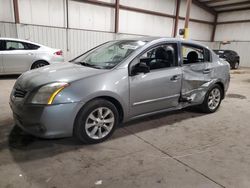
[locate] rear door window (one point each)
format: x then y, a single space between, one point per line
195 54
14 45
207 55
29 46
192 54
2 46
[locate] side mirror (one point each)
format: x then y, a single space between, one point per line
140 68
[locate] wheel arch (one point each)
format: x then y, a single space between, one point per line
113 100
222 87
117 105
39 60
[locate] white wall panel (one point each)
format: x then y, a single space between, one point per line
125 36
49 36
238 31
145 24
196 12
6 11
164 6
211 45
198 31
8 30
243 49
92 17
81 41
42 12
235 15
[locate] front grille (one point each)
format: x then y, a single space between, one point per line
20 93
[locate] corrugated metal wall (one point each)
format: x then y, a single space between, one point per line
74 43
82 40
8 30
78 41
236 33
44 21
50 36
242 47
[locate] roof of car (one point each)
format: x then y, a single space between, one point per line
159 39
216 50
147 38
20 40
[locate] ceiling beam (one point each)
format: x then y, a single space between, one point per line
233 9
197 21
117 10
139 10
232 4
16 11
176 21
124 7
214 1
214 27
233 22
204 7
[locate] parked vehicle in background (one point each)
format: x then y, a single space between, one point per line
18 56
230 56
116 82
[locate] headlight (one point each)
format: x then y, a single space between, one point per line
47 93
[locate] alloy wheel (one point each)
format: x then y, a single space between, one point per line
214 99
39 65
99 123
236 65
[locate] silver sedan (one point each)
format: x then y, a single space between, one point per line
18 56
116 82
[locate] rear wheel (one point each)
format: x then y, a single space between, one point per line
235 65
212 99
39 64
96 121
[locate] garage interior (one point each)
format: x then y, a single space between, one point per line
183 148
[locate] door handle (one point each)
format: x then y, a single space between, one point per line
206 71
29 54
175 77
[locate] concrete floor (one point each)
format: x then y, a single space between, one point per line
180 149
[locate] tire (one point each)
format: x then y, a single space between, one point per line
90 126
206 106
39 64
235 65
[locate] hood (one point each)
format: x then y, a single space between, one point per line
60 72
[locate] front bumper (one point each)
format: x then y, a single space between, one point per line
45 121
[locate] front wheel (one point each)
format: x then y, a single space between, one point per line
96 121
212 99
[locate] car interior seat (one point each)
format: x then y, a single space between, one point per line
192 57
161 57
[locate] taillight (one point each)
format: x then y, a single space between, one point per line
60 52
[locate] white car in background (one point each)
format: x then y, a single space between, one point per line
18 56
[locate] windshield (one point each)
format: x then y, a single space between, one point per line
109 54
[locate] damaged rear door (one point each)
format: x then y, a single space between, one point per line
194 85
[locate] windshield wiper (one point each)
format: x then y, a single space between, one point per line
88 65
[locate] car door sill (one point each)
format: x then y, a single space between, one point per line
156 112
154 100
